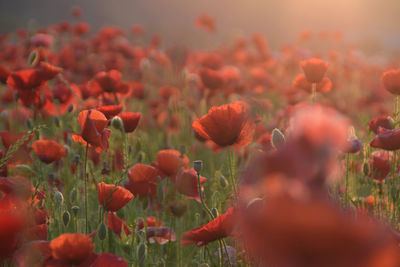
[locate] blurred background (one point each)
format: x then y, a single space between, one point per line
373 25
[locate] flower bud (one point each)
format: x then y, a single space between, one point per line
366 169
215 212
198 166
117 123
59 198
66 217
72 195
277 139
75 210
102 231
178 208
223 182
29 123
57 122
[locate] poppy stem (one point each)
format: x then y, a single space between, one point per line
313 93
203 203
86 193
232 178
347 180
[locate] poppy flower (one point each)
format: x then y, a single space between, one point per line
187 183
206 22
353 145
21 156
94 133
112 197
130 120
4 72
49 151
71 248
107 259
110 110
387 139
77 12
168 91
314 69
381 164
108 82
391 81
227 125
156 232
301 82
170 161
116 224
382 121
211 79
142 180
16 188
218 228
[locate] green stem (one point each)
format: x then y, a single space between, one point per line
232 178
86 193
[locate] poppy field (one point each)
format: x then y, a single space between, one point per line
118 150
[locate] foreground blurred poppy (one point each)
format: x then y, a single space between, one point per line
382 121
391 81
49 151
94 133
71 248
387 139
220 227
112 197
314 69
107 259
381 164
227 125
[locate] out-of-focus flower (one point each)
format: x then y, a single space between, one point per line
227 125
187 183
116 224
301 82
110 110
170 161
71 248
387 139
49 151
142 180
391 81
130 120
314 69
107 259
211 79
206 22
380 164
382 121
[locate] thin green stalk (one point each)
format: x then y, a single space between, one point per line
86 193
232 178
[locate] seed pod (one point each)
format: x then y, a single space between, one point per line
59 198
178 208
102 231
33 58
57 122
66 217
214 212
277 139
117 123
223 182
198 166
29 123
75 210
366 169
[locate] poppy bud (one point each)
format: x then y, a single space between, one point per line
29 123
178 208
117 123
392 122
72 195
66 217
223 182
76 158
102 231
215 212
141 156
57 122
141 253
198 166
75 210
277 138
24 169
59 198
33 58
70 108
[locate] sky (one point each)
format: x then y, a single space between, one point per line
359 20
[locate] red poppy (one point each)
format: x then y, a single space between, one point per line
168 91
4 72
21 156
116 224
382 121
391 81
110 111
381 164
107 259
227 125
93 125
211 79
206 22
170 161
387 139
130 120
301 82
142 180
108 82
16 188
314 69
112 197
212 61
72 248
187 183
218 228
77 12
49 151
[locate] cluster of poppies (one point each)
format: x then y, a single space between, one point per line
283 158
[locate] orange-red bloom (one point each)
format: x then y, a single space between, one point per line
211 79
112 197
142 180
116 224
130 120
170 161
301 82
107 259
71 248
391 81
387 139
227 125
206 22
381 121
108 82
220 227
110 111
49 151
187 183
93 125
314 69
